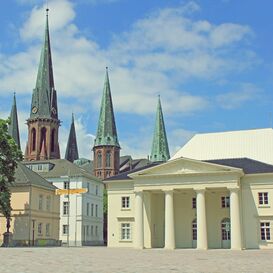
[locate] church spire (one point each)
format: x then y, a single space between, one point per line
43 123
13 127
160 149
71 153
106 147
106 132
44 97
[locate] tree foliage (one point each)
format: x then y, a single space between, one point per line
9 155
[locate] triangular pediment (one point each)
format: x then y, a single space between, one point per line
184 166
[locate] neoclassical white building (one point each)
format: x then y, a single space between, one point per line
186 203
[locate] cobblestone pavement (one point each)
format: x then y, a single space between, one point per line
116 260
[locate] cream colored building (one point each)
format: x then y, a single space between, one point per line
35 210
186 203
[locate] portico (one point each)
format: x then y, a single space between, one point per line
165 228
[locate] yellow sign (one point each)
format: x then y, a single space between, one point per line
70 191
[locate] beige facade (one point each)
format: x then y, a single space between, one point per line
35 211
187 203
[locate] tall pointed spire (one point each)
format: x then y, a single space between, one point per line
14 127
43 123
160 148
44 98
106 148
106 132
71 153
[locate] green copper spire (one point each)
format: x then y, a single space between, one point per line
107 132
44 97
160 148
71 153
13 127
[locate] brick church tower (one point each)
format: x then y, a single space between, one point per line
43 123
106 147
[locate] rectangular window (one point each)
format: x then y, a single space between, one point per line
225 201
125 202
65 208
87 209
194 202
96 211
92 230
47 229
65 229
96 230
92 209
265 231
125 231
40 202
88 187
194 230
48 201
66 185
40 227
97 189
263 198
40 167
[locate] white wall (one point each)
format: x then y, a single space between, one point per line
80 224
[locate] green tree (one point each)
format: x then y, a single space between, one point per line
9 155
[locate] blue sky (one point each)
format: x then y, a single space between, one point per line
211 61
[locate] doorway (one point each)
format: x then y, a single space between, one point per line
225 232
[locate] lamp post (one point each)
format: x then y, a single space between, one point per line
33 231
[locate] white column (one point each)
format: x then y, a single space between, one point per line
169 221
139 234
202 240
235 221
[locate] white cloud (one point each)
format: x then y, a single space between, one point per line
225 34
178 138
61 14
156 55
146 60
234 99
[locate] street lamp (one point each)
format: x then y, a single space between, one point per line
33 231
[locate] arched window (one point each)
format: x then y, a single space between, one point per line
99 160
33 138
225 228
108 159
52 144
194 229
43 136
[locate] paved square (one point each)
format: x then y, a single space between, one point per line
116 260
